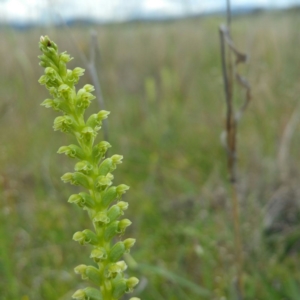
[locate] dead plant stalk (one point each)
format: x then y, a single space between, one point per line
230 74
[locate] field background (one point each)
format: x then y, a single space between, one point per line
162 83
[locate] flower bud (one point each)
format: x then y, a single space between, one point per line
110 176
117 159
75 198
95 120
60 105
77 179
98 254
88 294
52 53
113 193
47 103
93 294
105 167
114 212
115 268
108 196
101 218
64 91
62 69
56 104
84 166
89 88
72 151
53 91
79 237
52 74
88 272
83 99
123 224
103 181
43 64
67 177
69 78
121 189
131 283
111 230
93 274
117 210
42 39
109 164
45 61
90 237
128 243
117 251
122 265
85 237
63 123
79 295
65 57
43 79
63 88
99 150
123 205
119 288
77 72
103 114
82 200
87 134
80 270
46 43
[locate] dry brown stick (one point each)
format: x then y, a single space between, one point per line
231 126
228 84
232 120
244 83
240 58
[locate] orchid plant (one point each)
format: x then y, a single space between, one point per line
93 172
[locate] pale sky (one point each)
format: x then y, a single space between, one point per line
107 10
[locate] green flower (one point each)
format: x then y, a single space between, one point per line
93 172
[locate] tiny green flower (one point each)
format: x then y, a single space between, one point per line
82 200
93 172
98 254
86 237
72 151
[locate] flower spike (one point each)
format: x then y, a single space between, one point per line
93 173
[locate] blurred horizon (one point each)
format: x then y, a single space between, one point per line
53 12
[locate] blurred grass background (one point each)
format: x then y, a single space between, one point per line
162 83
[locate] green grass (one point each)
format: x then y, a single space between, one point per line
162 83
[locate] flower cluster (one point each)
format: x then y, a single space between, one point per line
93 172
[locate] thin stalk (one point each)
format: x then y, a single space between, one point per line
238 241
232 118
